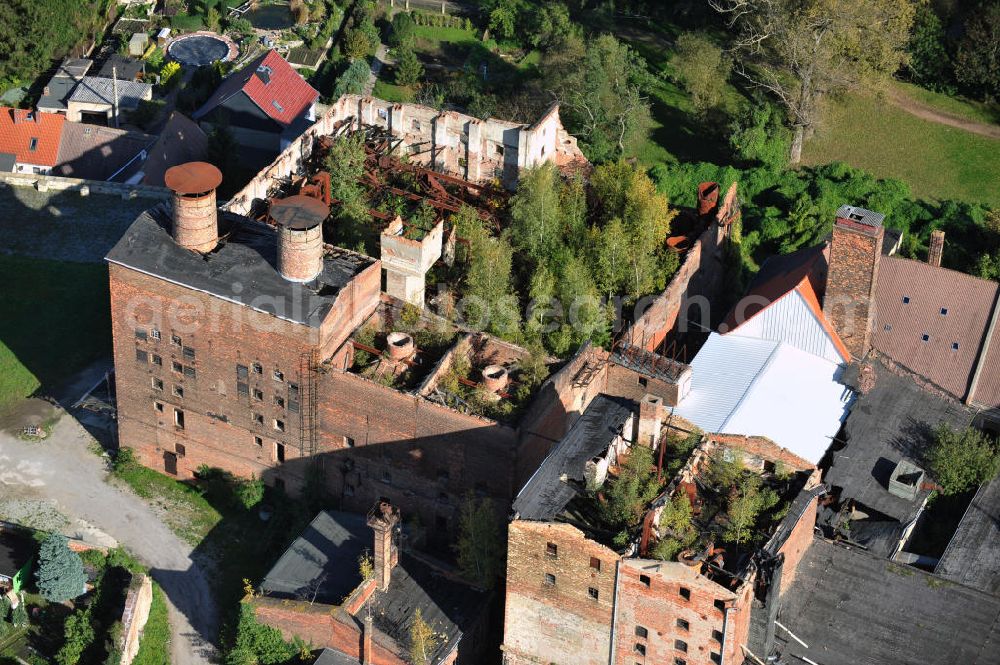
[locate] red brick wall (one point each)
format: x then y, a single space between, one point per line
762 448
850 288
561 622
797 544
658 606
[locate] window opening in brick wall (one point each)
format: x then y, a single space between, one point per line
552 549
178 391
157 383
140 334
595 563
550 579
179 418
641 631
681 645
592 592
279 452
141 356
640 649
644 579
685 593
683 624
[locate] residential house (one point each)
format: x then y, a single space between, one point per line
92 152
29 140
266 104
104 99
55 94
181 141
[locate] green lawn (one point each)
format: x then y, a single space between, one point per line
154 647
436 41
935 160
391 92
55 322
186 511
957 106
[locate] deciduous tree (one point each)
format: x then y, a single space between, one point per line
960 460
800 50
703 69
423 640
977 60
479 547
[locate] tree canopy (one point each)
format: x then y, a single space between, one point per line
960 460
60 573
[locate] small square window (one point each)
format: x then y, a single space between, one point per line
140 334
716 658
499 149
179 418
157 383
33 144
278 376
176 340
683 624
925 338
190 372
592 592
595 563
257 368
158 406
348 442
176 366
279 425
887 327
681 645
293 391
944 311
550 579
259 441
644 579
279 402
178 391
720 604
906 300
552 549
241 372
680 661
258 394
242 388
258 418
954 346
640 631
717 636
141 356
643 382
156 360
180 449
188 353
155 334
685 593
640 648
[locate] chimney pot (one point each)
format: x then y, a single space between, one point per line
366 641
196 225
708 198
300 236
650 420
495 378
936 248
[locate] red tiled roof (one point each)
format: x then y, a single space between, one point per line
283 97
899 326
17 129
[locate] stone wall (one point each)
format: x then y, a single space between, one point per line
51 183
137 603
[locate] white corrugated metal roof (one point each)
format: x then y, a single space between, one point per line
758 387
790 319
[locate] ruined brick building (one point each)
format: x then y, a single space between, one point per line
575 594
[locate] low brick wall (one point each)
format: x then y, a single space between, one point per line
51 183
134 617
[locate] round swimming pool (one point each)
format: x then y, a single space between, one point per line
202 48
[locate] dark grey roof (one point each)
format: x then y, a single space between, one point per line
546 494
331 657
853 608
123 67
56 93
99 90
15 551
447 605
7 162
242 269
973 555
98 153
893 422
860 215
323 560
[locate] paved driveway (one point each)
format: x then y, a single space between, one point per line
62 470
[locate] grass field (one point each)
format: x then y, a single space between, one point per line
935 160
436 41
186 511
391 92
154 647
55 322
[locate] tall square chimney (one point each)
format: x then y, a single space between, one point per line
849 303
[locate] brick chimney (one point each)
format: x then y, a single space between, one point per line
855 250
650 420
936 248
196 225
366 641
383 518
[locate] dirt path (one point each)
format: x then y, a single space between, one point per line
925 112
63 471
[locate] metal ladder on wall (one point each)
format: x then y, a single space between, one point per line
308 407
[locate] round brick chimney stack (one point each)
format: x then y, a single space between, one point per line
300 236
196 225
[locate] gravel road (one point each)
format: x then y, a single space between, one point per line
63 471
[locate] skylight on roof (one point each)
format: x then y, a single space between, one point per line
275 104
906 300
944 311
954 346
925 337
32 144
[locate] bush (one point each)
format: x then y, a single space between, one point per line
249 491
409 71
353 80
257 644
124 460
961 460
402 30
703 69
60 573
